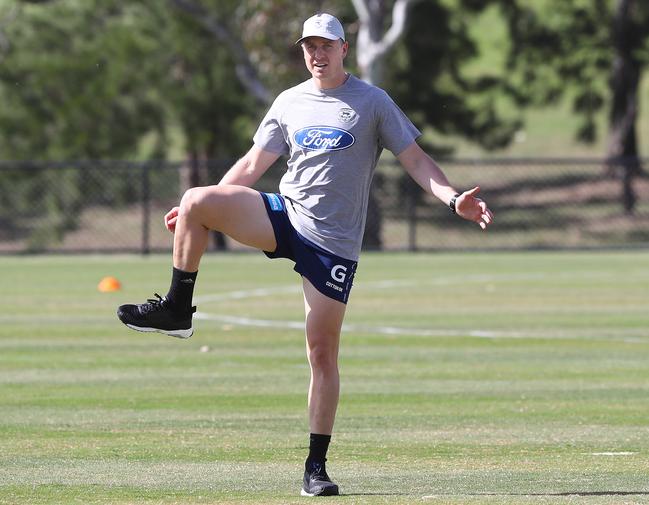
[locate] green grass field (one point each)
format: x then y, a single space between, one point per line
466 378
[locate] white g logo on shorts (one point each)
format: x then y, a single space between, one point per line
338 273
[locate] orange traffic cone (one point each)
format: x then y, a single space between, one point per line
108 284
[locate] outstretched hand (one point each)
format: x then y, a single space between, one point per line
469 207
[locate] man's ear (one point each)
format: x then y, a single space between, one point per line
345 48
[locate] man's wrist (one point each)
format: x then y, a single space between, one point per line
451 204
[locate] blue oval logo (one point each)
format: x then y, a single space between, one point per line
323 138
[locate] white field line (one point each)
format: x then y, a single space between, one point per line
419 332
359 328
394 283
396 330
620 453
570 334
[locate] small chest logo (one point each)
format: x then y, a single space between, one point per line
323 138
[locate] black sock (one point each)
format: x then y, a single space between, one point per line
181 290
318 445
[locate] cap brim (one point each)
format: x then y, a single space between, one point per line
322 35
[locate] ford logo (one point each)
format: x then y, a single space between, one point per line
323 138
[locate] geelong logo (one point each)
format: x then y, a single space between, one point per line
338 273
323 138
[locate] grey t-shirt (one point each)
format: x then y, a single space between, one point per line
333 139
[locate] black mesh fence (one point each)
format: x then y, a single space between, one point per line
539 203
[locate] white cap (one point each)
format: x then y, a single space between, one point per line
322 25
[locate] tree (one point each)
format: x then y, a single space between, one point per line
73 71
73 94
372 47
213 22
630 36
429 78
92 79
372 43
101 75
417 49
597 49
213 110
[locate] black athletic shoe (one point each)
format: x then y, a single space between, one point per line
317 482
156 315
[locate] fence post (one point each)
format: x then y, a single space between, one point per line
146 209
630 167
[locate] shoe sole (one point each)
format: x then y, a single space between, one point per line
328 491
172 333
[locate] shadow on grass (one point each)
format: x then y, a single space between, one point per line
376 494
570 493
565 493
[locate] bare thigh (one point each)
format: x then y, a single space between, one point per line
324 320
237 211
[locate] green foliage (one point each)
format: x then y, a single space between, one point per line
92 79
429 79
89 79
73 74
559 46
201 91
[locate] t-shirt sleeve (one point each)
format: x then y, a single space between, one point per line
270 136
396 131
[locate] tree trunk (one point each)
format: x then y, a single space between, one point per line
371 71
373 42
372 45
193 172
622 149
244 68
371 65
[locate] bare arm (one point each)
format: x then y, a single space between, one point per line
247 170
430 177
426 172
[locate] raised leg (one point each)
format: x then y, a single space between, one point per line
237 211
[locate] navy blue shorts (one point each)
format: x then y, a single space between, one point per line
330 274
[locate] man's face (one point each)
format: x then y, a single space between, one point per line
324 57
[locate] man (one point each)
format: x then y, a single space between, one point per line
333 128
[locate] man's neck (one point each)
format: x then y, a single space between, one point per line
331 83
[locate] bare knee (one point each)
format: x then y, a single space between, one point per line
192 201
206 199
323 358
204 205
